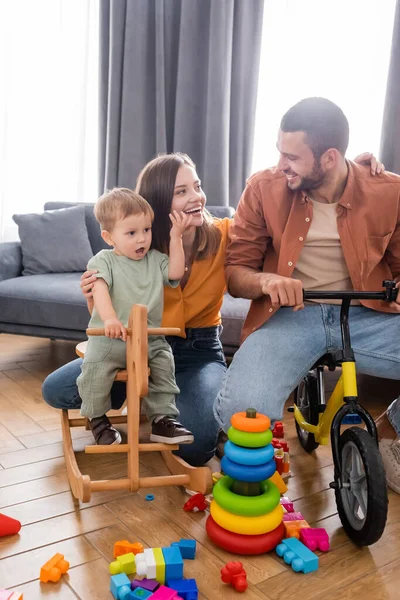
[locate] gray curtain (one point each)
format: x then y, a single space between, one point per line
179 75
390 140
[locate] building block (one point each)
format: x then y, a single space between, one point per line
147 584
53 569
277 431
124 564
297 555
294 516
146 564
187 548
124 547
287 504
8 525
173 563
293 528
278 481
160 565
164 593
234 574
120 586
197 501
315 538
186 588
140 594
16 596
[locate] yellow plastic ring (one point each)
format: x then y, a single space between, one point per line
259 424
246 525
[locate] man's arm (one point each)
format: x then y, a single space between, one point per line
393 254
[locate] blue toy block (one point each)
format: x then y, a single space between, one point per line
140 593
173 563
187 547
186 588
298 555
353 419
120 586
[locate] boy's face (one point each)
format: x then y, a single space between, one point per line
131 237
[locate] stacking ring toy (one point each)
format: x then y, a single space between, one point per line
243 423
249 440
244 473
244 544
248 456
246 506
246 525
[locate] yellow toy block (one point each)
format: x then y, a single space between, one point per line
124 564
278 481
160 565
53 569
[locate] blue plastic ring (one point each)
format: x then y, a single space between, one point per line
248 473
150 497
248 456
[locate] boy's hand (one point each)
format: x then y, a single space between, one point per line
180 222
115 329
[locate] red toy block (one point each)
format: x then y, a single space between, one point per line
8 526
278 429
197 501
125 547
54 568
234 574
315 538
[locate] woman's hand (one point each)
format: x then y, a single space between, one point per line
87 280
369 160
180 222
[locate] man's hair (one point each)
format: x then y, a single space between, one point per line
323 122
117 204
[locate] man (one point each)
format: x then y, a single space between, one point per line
319 222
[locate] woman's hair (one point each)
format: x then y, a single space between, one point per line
156 183
120 203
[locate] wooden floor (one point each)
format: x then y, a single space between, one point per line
34 489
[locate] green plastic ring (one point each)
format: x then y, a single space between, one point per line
246 506
250 440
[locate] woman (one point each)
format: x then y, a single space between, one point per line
170 182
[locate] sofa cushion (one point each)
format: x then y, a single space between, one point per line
54 241
51 300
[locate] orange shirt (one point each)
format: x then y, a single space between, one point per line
271 224
199 303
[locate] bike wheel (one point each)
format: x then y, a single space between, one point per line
306 399
362 502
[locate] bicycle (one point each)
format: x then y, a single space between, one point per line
359 475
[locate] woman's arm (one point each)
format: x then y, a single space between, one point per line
176 266
87 281
368 159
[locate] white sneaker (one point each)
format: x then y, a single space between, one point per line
390 452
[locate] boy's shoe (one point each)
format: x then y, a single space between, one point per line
169 431
390 452
103 432
221 441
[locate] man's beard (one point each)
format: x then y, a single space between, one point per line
312 181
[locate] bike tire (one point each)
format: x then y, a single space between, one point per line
306 399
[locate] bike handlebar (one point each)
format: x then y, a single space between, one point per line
389 294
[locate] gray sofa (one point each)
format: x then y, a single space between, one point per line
51 305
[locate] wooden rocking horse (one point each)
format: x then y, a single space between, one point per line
136 377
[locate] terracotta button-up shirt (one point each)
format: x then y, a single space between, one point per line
271 224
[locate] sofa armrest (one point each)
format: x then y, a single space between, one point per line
10 260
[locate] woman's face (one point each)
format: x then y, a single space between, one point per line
188 196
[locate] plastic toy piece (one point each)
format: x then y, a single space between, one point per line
278 481
294 516
160 565
234 574
124 564
186 588
140 593
197 501
186 547
150 497
173 563
124 547
146 564
8 525
120 586
278 429
297 555
164 593
53 569
353 419
315 538
287 504
293 528
147 584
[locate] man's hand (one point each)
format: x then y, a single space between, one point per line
115 329
396 303
88 278
180 222
283 291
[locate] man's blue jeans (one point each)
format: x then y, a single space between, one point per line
273 360
199 370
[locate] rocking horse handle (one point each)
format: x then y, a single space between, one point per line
150 331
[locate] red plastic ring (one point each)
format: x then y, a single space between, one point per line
244 544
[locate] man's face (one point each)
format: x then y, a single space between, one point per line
302 170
